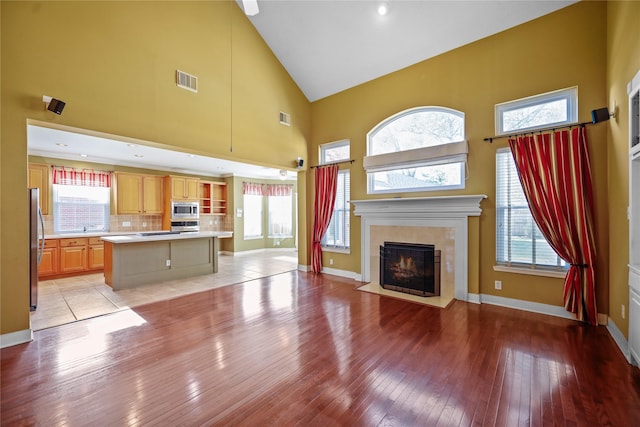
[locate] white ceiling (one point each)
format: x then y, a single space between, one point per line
327 46
63 144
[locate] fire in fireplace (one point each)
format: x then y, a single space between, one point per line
410 267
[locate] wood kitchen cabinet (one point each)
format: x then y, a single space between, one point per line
182 188
73 255
213 197
68 257
139 194
49 261
39 178
95 260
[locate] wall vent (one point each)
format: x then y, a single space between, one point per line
186 81
285 119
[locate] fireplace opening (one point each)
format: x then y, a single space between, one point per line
412 268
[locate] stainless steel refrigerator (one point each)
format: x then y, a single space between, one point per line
36 245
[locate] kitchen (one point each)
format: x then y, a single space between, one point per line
142 197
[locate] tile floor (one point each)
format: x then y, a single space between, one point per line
67 300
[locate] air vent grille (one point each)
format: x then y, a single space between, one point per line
186 81
285 119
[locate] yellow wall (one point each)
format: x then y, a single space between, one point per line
564 49
623 62
114 65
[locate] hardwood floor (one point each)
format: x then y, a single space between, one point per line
304 349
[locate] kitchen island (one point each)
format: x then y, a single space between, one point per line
137 259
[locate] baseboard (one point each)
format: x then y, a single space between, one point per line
473 298
341 273
15 338
535 307
257 251
304 267
619 339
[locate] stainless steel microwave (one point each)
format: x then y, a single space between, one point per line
185 210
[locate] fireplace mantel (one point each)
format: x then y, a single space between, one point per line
448 206
446 211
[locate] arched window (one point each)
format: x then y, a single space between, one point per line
419 149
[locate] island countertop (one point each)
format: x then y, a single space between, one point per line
162 236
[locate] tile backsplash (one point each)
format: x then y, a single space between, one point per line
119 223
135 223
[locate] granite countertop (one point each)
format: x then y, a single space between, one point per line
86 234
115 233
162 236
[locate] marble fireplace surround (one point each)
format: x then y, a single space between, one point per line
445 217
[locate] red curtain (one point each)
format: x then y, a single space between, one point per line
555 173
85 177
326 186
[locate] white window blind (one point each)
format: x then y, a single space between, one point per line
519 242
338 233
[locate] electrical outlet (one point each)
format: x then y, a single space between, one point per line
277 243
144 224
126 223
499 285
330 261
168 263
622 310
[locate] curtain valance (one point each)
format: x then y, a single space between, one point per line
282 190
84 177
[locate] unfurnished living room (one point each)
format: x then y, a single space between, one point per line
362 213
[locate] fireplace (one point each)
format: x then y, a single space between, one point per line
413 268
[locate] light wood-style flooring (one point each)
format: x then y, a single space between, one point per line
303 349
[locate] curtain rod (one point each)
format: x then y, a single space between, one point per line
334 163
533 132
83 169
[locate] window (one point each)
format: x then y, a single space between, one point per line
519 240
80 200
280 211
78 208
540 111
252 199
417 150
334 152
338 233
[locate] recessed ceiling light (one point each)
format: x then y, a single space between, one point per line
190 155
60 144
83 155
132 145
383 9
138 155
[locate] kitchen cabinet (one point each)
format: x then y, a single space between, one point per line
139 194
182 188
213 197
39 178
67 257
73 255
49 260
95 260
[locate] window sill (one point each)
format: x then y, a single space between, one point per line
253 237
337 250
530 271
